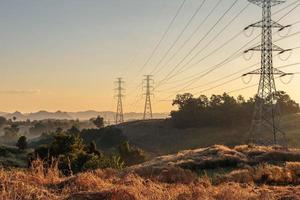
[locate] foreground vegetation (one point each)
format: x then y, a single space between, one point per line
268 181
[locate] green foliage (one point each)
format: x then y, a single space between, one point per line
131 155
221 110
73 155
98 122
92 149
3 121
22 143
106 138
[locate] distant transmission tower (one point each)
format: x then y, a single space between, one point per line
265 124
119 89
148 85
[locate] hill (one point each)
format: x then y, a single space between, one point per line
278 180
11 156
160 137
81 115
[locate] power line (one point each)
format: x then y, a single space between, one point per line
231 80
184 67
234 79
291 4
201 40
193 34
179 36
227 42
294 8
163 37
191 81
230 58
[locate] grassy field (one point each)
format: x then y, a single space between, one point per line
248 182
159 137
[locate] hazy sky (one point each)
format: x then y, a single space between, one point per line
65 54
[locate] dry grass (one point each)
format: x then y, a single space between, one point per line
261 182
41 184
289 174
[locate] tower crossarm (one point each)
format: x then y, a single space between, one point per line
260 72
261 2
274 48
273 25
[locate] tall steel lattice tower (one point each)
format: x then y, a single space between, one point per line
119 89
148 86
265 124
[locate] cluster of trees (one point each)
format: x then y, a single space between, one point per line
12 129
76 150
221 110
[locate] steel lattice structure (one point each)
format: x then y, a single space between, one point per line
265 124
119 89
148 85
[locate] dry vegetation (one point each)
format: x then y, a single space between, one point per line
245 181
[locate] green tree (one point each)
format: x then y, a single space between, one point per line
98 122
131 155
3 121
92 149
22 143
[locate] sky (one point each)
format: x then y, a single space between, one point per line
66 54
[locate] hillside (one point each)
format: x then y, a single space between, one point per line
165 178
12 157
159 136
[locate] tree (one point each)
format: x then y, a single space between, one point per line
131 155
3 121
22 143
222 110
92 149
98 122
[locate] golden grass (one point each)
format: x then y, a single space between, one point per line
162 181
40 184
288 174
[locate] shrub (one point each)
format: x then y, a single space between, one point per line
22 143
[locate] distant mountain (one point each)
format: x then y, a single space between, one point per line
109 116
48 115
16 114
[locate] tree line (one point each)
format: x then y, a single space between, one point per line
222 110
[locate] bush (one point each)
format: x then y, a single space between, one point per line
22 143
74 156
131 155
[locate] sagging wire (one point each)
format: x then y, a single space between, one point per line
246 82
248 33
287 32
248 55
291 77
290 52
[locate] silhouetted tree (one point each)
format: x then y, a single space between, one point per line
92 149
131 155
3 121
99 122
222 110
22 143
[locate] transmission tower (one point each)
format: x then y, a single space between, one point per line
265 124
119 89
148 85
